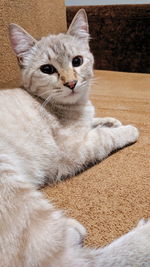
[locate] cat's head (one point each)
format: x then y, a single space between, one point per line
58 67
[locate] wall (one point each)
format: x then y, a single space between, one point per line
38 17
104 2
120 36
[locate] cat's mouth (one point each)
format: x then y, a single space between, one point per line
72 93
76 91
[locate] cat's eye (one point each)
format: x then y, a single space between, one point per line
77 61
48 69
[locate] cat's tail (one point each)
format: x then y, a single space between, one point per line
132 249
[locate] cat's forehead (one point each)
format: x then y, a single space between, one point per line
61 45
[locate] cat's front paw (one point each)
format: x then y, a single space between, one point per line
132 134
75 232
142 222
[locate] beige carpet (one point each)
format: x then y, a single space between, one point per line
112 196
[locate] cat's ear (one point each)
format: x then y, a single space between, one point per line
21 41
79 26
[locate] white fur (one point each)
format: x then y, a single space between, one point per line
49 132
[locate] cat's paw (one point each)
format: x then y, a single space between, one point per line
132 134
111 122
75 233
106 122
142 222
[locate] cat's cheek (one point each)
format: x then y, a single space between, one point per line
53 79
66 92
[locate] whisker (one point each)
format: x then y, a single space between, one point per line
80 75
57 94
44 85
96 78
57 91
83 84
44 93
46 101
54 90
95 81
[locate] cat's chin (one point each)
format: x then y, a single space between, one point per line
72 98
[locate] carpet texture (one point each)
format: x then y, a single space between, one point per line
112 196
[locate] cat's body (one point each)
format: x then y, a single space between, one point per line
52 142
47 140
48 132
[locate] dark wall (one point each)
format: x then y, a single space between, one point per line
120 36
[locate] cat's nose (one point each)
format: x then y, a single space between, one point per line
71 84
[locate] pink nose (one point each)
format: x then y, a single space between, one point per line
71 84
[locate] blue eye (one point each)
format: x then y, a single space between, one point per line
48 69
77 61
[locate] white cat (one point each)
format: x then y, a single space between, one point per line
48 132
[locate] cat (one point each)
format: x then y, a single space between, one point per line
48 132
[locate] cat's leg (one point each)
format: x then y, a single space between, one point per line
132 249
75 233
32 231
142 222
96 145
101 141
106 122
